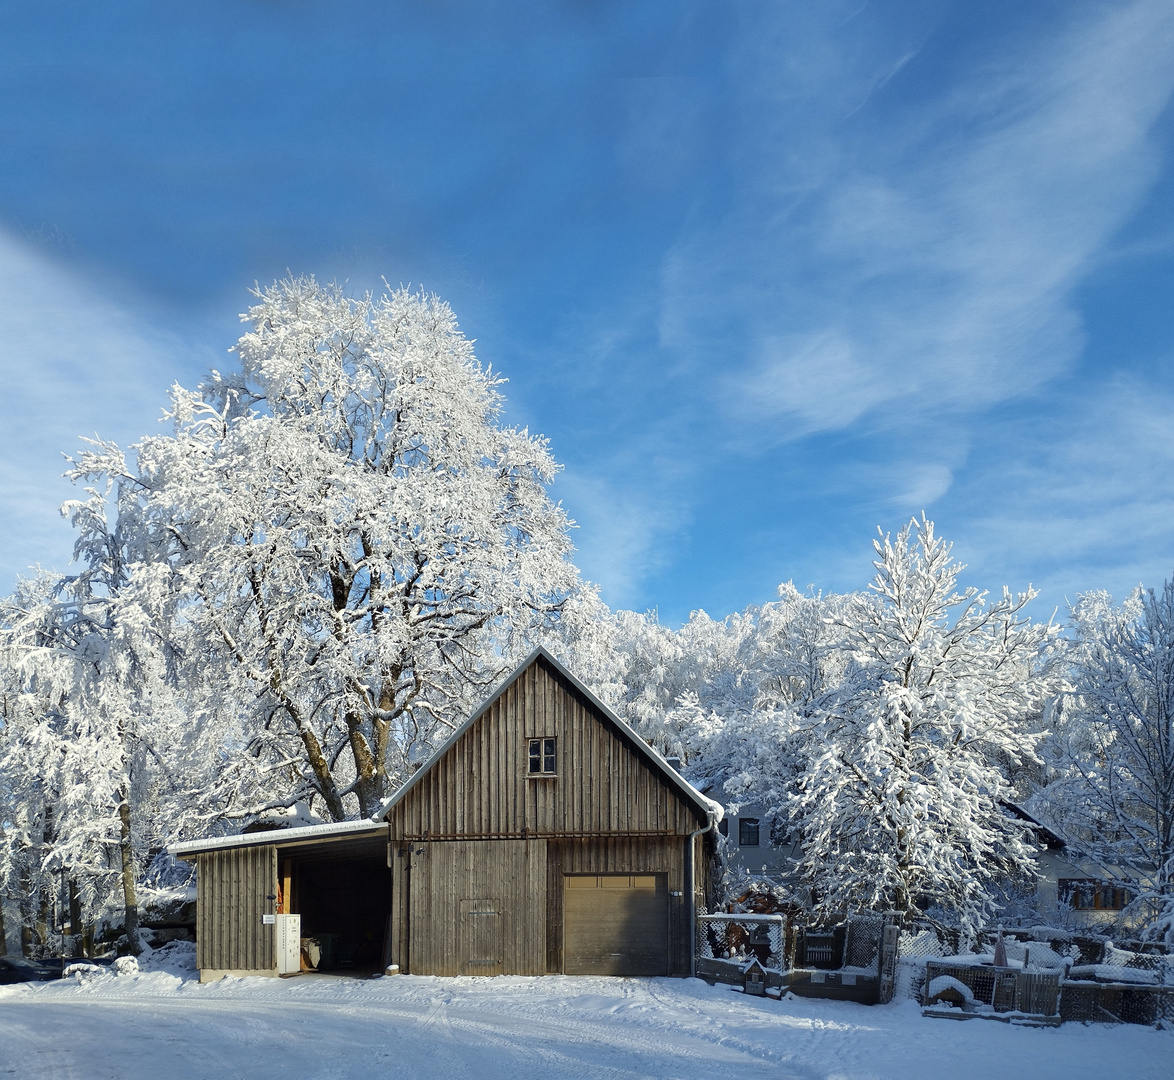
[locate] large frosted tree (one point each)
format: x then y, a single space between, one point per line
346 543
901 802
1115 792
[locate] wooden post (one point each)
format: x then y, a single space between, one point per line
286 904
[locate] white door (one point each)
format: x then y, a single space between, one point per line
289 944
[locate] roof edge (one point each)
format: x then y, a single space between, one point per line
274 836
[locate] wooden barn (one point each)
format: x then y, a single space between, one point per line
544 836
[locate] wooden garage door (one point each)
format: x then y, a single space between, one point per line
615 924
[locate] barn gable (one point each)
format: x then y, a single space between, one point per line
605 781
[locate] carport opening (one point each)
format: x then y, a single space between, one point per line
344 904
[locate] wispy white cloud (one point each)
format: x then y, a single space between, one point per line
621 530
73 363
1081 499
931 265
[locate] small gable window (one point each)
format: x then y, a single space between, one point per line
748 832
543 759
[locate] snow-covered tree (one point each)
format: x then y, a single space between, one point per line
61 766
1115 792
83 746
345 542
901 803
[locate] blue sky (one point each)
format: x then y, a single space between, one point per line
768 275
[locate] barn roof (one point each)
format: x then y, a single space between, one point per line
707 807
334 830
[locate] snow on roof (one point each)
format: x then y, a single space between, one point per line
276 836
1049 837
713 810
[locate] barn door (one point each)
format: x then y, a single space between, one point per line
481 937
615 924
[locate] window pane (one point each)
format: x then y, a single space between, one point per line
549 763
748 832
536 755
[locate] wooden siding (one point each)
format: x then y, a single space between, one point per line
233 890
472 908
481 788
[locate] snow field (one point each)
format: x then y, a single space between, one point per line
160 1024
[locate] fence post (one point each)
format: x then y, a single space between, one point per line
887 963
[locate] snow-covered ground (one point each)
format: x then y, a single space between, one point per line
158 1025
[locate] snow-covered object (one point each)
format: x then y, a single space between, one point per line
344 542
1114 748
947 982
1115 973
287 817
125 965
902 800
89 714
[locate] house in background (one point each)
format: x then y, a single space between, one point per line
544 836
1072 892
753 849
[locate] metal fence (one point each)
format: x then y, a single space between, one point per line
872 957
1120 985
843 961
1002 989
864 939
742 937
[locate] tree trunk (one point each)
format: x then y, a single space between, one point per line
3 931
326 785
367 786
27 909
75 915
41 927
129 896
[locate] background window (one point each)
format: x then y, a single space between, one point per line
1090 894
543 759
748 832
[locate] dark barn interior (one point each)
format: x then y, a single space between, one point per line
344 898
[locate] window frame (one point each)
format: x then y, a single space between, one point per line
543 750
749 826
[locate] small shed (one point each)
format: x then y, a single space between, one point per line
544 836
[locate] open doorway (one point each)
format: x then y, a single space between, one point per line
344 904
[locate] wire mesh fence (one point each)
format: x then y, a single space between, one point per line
742 937
875 957
863 945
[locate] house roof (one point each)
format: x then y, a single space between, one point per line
710 809
1049 838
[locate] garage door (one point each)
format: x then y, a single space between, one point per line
615 924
